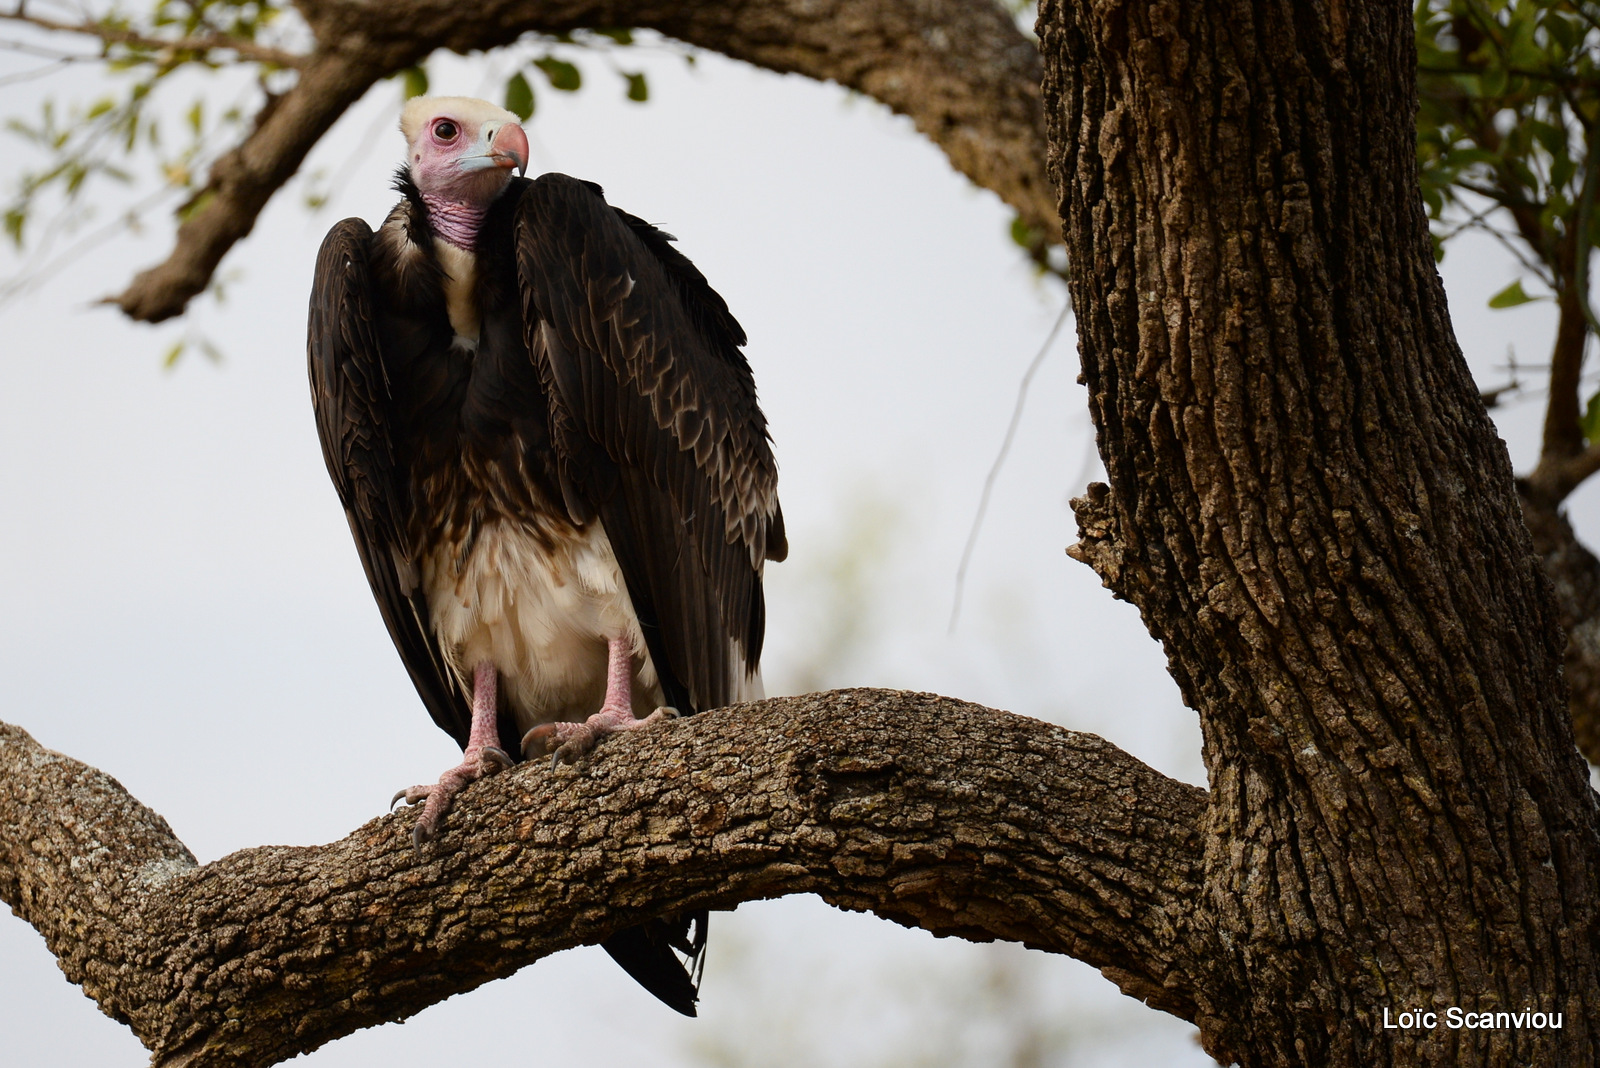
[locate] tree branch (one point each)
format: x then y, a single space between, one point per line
203 44
1563 437
961 70
925 810
1574 573
1555 477
243 180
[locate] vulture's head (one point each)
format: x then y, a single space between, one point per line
461 149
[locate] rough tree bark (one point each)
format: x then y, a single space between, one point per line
927 811
1574 573
1311 510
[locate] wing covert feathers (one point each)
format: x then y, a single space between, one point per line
654 418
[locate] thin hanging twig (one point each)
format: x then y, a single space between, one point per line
999 461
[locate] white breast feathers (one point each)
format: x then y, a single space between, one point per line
460 290
542 615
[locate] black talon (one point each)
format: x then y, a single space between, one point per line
496 755
397 798
527 739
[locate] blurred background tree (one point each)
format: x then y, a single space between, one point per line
1510 101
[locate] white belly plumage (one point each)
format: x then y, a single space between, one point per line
543 618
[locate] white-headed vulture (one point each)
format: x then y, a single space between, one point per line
546 440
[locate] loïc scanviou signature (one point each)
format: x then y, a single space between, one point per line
1461 1019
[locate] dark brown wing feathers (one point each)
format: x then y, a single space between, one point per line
355 419
653 414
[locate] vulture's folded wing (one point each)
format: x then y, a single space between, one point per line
350 391
653 414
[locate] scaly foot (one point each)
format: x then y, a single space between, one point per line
482 757
569 741
476 763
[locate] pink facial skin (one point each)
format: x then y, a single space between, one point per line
461 163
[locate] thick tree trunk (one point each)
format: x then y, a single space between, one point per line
1312 512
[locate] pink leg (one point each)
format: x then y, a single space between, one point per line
571 740
482 758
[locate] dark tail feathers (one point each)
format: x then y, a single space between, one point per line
646 953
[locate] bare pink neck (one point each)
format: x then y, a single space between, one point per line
455 221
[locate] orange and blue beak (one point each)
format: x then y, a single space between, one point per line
499 145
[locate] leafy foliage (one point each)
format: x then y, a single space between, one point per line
1510 102
82 143
1510 96
1511 296
1047 256
1591 419
519 97
158 120
561 74
414 81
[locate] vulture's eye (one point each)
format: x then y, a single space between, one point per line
446 131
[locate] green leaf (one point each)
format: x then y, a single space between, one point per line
15 219
1552 137
1024 235
1564 30
170 360
415 80
195 206
622 37
519 97
638 88
1493 82
1590 423
1562 171
562 75
1511 296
